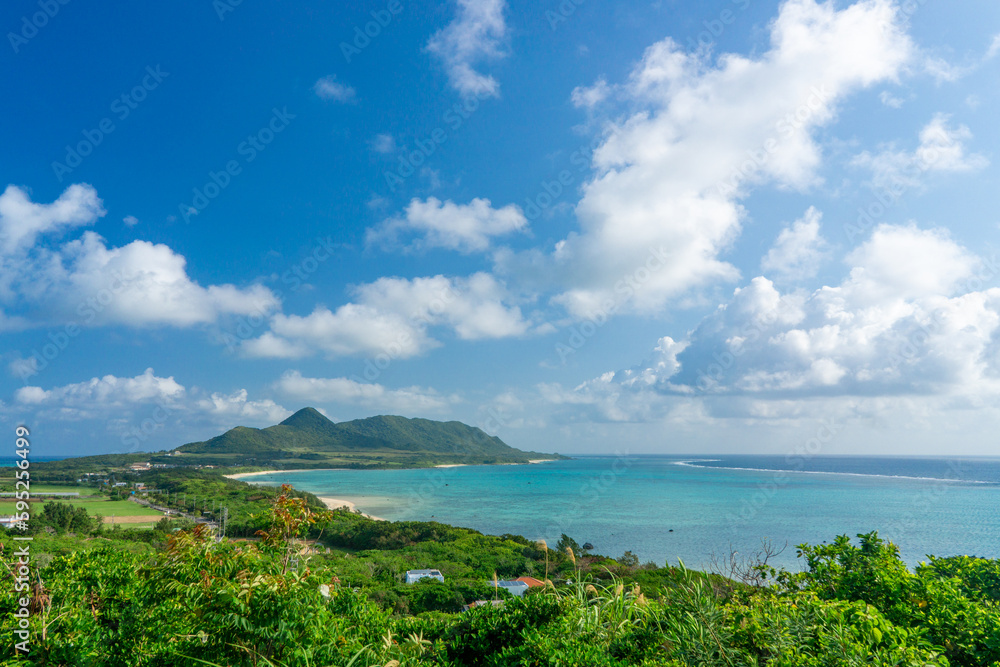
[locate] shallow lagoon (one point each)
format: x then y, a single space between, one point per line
668 508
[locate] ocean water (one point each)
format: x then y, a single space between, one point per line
10 461
665 508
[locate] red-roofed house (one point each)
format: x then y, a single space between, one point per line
531 581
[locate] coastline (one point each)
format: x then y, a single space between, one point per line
462 465
337 503
352 504
241 475
330 502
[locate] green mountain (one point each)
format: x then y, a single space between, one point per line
308 439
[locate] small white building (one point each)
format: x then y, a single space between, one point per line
413 576
515 588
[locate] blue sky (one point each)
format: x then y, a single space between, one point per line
729 226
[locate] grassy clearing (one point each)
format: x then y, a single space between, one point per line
132 521
118 508
54 488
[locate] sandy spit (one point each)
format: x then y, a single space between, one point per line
337 503
277 472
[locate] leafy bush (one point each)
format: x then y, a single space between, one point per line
271 601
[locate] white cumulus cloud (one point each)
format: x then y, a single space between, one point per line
799 249
476 35
393 316
408 400
463 227
328 88
672 175
85 281
239 408
22 221
383 143
588 97
102 395
911 318
941 149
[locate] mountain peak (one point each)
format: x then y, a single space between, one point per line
308 418
308 439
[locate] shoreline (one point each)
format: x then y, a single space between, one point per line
337 503
352 504
241 475
463 465
330 502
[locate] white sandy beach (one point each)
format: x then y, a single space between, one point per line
277 472
331 503
337 503
460 465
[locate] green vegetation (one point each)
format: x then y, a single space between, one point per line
307 586
42 489
96 507
308 440
105 507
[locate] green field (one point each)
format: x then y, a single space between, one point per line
115 507
106 508
53 488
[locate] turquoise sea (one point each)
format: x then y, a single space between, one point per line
665 508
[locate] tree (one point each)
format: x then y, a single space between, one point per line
64 517
628 559
567 542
